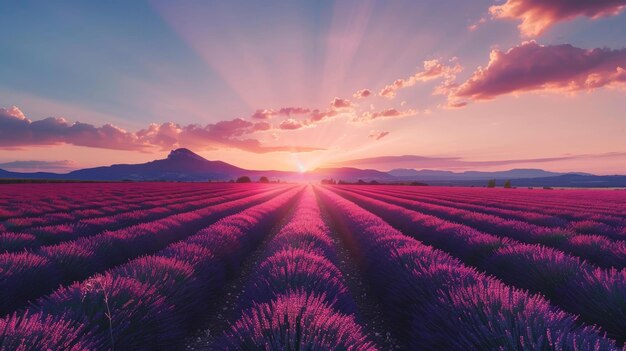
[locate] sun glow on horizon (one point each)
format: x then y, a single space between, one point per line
300 166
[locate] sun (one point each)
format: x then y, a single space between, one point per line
301 168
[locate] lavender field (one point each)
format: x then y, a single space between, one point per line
223 266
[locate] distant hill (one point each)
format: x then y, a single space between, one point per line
185 165
576 181
469 175
180 164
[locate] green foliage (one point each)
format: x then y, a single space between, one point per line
244 179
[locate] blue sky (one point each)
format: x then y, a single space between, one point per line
132 64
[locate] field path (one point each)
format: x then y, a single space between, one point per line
225 309
369 313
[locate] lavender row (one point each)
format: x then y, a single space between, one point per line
297 298
598 201
581 220
149 303
437 303
595 248
27 200
526 216
595 294
133 204
513 226
49 235
23 201
28 275
584 206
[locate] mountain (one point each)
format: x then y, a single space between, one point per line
180 164
35 175
575 181
185 165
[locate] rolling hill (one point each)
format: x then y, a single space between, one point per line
185 165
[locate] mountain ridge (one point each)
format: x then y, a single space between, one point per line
515 173
185 165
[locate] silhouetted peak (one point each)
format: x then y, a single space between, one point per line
183 153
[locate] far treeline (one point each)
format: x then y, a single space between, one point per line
372 182
492 184
246 179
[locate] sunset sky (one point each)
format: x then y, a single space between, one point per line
295 85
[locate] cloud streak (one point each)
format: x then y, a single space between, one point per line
539 15
38 166
17 131
428 162
389 113
285 111
533 67
432 69
377 134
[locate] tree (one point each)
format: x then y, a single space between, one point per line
264 180
244 179
507 184
491 183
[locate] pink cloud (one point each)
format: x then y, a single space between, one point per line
230 134
285 111
261 126
18 131
164 135
377 135
336 108
290 124
340 104
387 114
432 69
539 15
288 111
262 114
12 111
318 116
534 67
477 24
455 104
362 94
